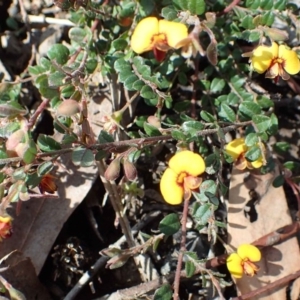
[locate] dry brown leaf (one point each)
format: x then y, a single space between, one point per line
41 220
272 213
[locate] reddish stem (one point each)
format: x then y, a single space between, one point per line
270 286
229 7
182 249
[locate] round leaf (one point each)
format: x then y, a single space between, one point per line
82 157
163 293
170 224
59 53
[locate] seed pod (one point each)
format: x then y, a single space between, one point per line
130 170
68 108
113 170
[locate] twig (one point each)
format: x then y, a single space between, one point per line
269 286
39 110
182 249
130 143
46 20
228 8
117 204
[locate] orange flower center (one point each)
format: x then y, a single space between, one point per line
249 267
160 42
160 46
180 178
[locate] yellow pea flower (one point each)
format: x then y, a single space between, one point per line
158 36
180 178
237 149
277 60
243 261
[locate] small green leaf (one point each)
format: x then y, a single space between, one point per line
59 53
119 44
247 22
282 147
266 4
212 199
151 130
169 13
212 163
138 85
262 123
195 7
206 186
217 85
129 82
82 157
121 65
253 4
237 81
204 213
163 293
146 7
190 269
47 143
264 102
80 35
253 154
182 106
192 127
105 137
56 79
101 154
268 18
279 4
69 139
251 139
123 75
274 125
45 168
30 153
251 35
292 165
227 112
170 224
249 109
147 92
91 65
178 135
278 181
206 116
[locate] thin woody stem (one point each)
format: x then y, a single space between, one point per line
268 287
130 143
228 8
182 249
116 204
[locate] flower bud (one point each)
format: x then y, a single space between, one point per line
68 108
113 170
130 170
154 121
